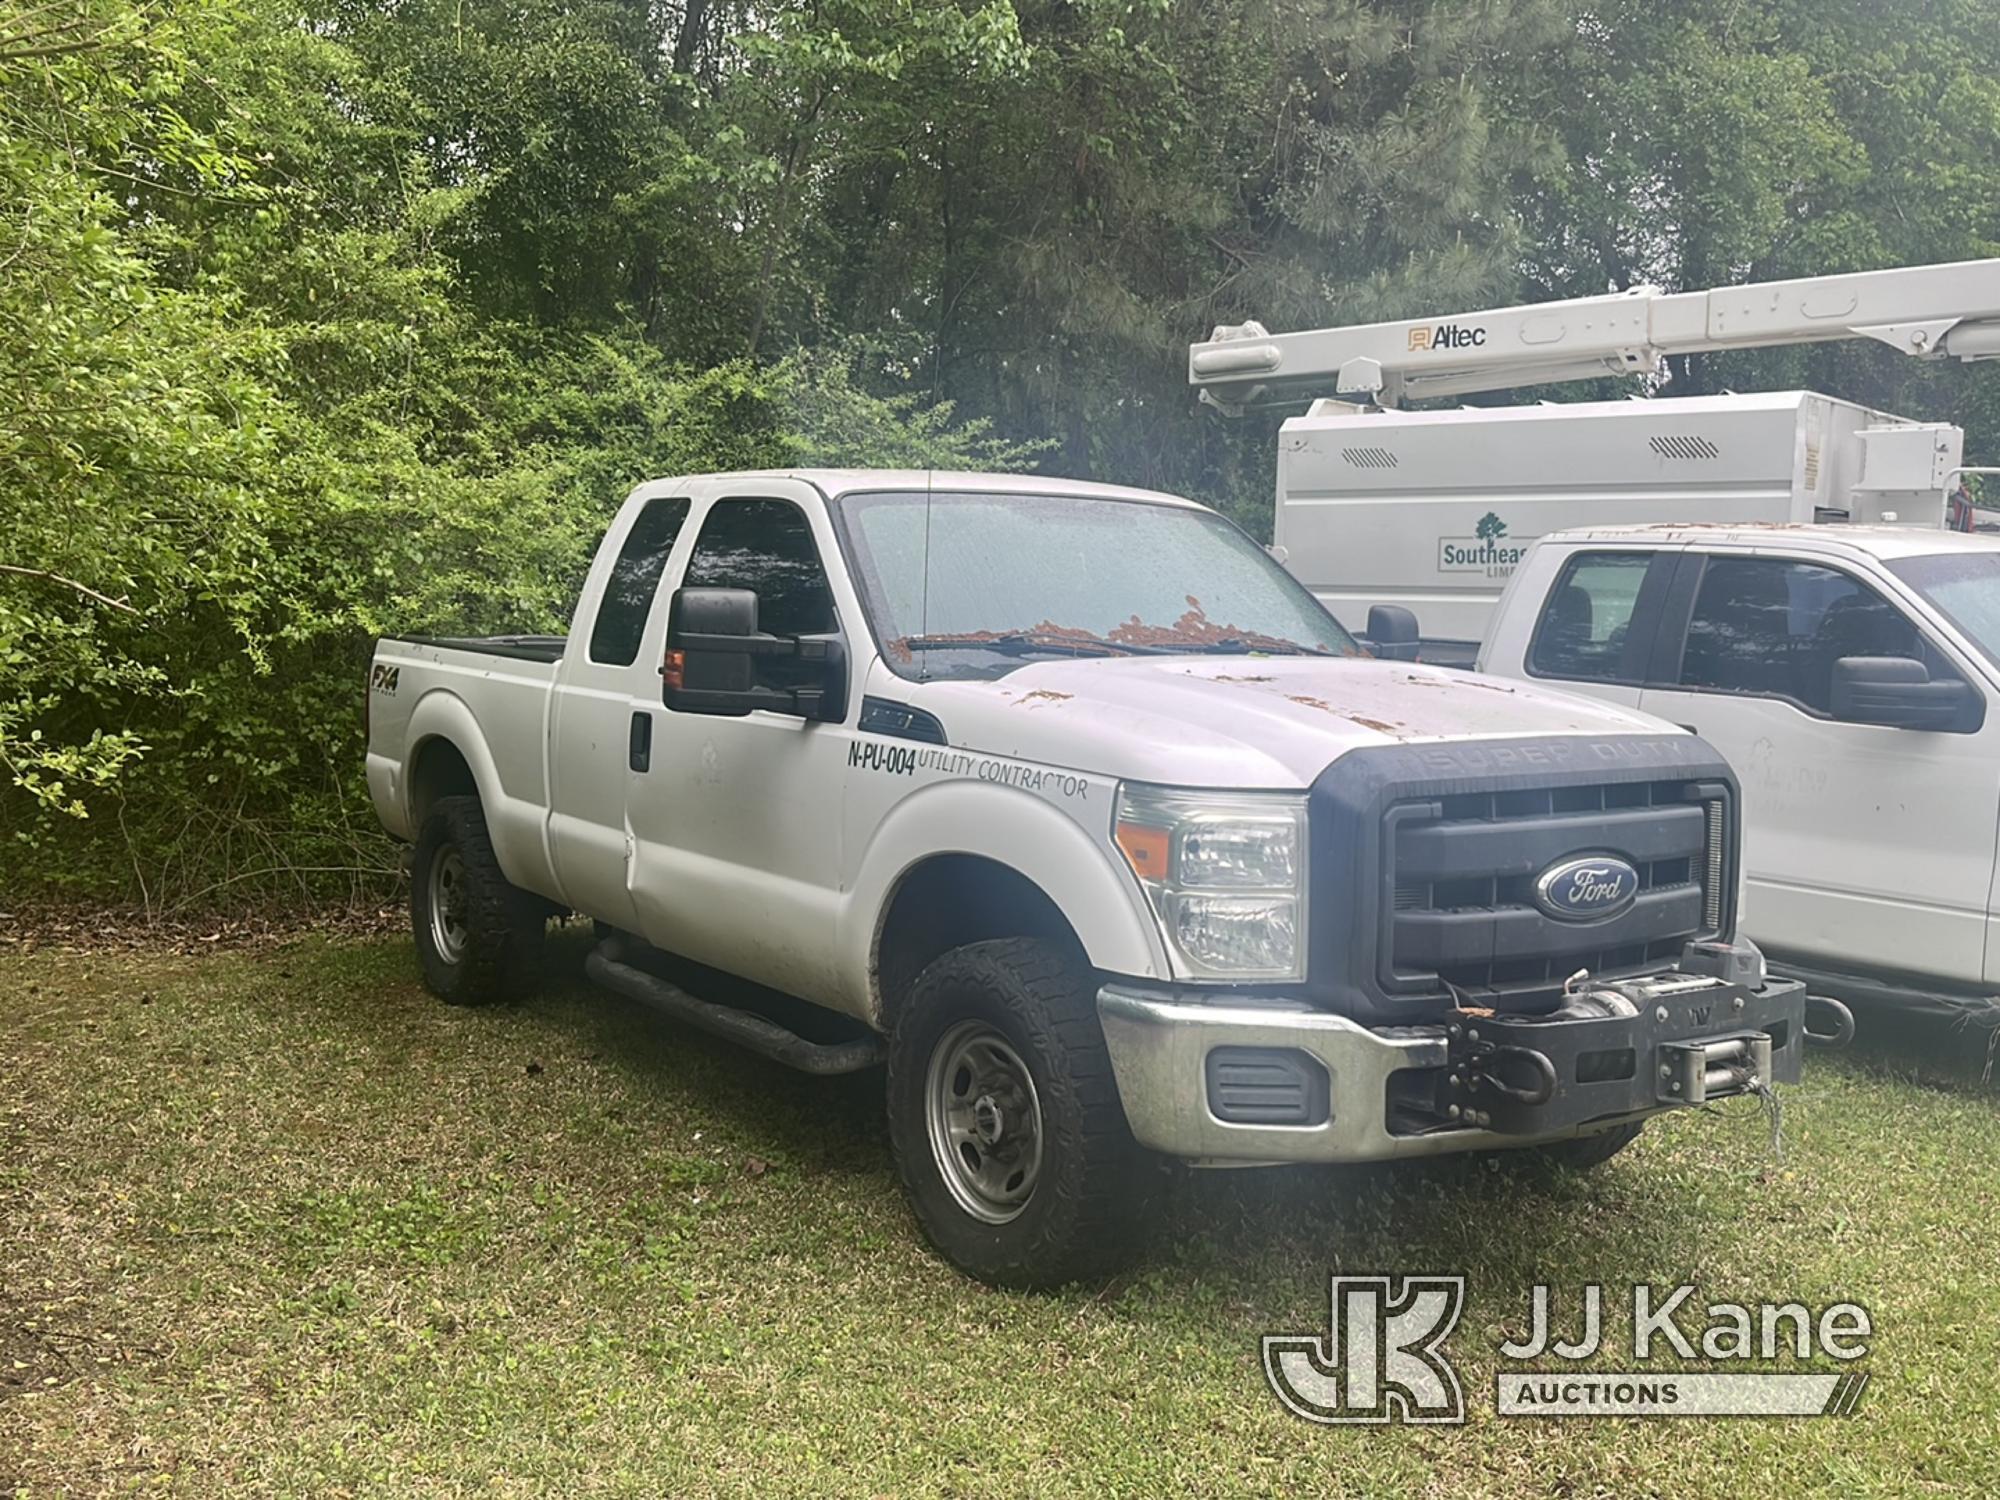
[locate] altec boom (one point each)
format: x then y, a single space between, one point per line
1925 311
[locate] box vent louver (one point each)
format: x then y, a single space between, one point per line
1683 445
1369 458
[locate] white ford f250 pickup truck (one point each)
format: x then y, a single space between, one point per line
1089 821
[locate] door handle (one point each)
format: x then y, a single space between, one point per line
640 746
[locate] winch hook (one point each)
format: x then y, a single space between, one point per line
1839 1032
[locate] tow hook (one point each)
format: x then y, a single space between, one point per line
1479 1076
1489 1066
1835 1026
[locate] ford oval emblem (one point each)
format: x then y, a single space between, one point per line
1587 888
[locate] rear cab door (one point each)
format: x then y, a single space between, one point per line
1584 614
605 700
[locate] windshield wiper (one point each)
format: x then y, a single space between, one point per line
1030 643
1234 647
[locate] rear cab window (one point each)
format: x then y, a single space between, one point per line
635 578
1585 629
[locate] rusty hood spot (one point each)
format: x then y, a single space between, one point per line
1044 695
1460 679
1378 725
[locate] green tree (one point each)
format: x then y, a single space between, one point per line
1718 141
324 318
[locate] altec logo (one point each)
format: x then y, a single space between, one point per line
1446 336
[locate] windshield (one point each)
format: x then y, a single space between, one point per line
1964 587
991 581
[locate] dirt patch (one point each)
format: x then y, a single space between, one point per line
1376 724
26 1363
27 928
1227 677
1319 703
47 1344
1044 695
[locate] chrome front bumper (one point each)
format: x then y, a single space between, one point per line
1158 1049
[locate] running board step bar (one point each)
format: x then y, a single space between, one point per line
760 1034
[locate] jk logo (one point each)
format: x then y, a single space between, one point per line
1382 1359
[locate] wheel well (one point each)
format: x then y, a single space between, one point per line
946 902
439 771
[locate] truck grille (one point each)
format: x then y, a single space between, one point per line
1463 869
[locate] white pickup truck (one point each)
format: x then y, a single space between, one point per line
1075 809
1851 674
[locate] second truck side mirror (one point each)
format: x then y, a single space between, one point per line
1392 632
1898 693
712 656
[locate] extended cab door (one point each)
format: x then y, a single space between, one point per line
605 698
1583 616
1865 846
736 819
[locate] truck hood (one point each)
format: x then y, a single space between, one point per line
1264 722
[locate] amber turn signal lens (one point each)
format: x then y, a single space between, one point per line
1145 849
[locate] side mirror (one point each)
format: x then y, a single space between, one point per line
1898 693
1392 632
714 649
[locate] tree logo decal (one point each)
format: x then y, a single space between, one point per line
1490 550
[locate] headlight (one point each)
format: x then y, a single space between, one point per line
1226 876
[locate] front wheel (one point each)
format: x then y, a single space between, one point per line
1584 1152
479 938
1005 1117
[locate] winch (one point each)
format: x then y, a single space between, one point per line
1711 1030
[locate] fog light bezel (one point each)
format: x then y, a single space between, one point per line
1315 1087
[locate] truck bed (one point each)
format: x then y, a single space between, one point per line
426 687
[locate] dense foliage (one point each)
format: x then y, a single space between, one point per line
320 318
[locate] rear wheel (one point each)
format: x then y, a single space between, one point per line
478 938
1005 1117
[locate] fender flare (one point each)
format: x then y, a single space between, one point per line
1100 900
519 826
442 715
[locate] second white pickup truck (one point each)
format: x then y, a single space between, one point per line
1070 805
1851 674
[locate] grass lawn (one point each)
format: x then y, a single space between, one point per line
277 1221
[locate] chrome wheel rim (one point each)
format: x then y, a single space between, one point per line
449 933
985 1122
